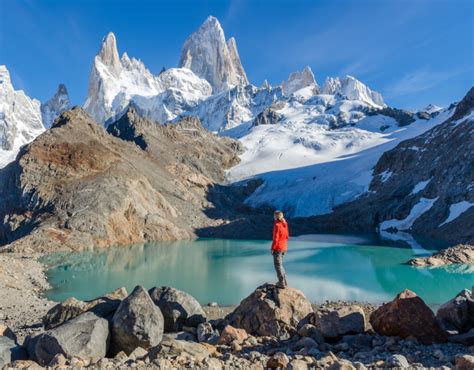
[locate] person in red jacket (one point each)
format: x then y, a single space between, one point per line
280 246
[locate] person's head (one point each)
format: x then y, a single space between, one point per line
278 215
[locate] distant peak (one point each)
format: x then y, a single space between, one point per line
108 52
4 74
62 90
211 20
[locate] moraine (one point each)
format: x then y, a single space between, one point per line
334 267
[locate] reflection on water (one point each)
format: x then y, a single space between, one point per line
226 271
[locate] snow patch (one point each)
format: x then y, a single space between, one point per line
420 186
423 206
455 210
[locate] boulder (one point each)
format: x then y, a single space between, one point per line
407 316
271 311
465 338
464 362
198 352
297 365
206 333
138 322
336 323
397 361
278 361
10 351
73 307
85 337
178 308
230 334
458 313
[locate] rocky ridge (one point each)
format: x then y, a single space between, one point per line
78 186
422 186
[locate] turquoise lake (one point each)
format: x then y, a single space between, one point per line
225 271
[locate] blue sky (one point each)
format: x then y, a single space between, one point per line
414 52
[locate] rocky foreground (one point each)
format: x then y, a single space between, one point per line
271 328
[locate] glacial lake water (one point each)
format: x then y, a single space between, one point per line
225 271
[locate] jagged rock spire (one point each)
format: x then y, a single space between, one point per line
108 53
209 56
299 80
55 106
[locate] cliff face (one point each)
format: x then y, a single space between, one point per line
77 186
423 186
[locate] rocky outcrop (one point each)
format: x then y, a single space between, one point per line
268 117
407 315
80 187
58 104
209 56
85 337
73 307
178 308
138 322
422 186
457 315
403 117
462 254
20 118
270 310
299 80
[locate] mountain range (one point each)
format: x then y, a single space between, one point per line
313 151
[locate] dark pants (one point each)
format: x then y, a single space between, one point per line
280 271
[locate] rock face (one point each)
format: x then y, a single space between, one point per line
138 322
353 89
420 186
299 80
178 308
458 313
209 56
268 117
72 307
114 83
85 337
58 104
271 311
80 187
336 323
20 118
407 315
460 254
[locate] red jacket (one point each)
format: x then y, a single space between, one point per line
280 236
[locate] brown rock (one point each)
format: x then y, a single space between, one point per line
342 321
407 315
462 254
271 311
464 362
231 334
278 361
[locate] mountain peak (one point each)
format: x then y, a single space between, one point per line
352 89
108 53
4 75
299 80
209 56
55 106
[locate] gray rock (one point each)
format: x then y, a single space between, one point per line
10 351
465 338
206 333
311 331
336 323
178 308
138 322
85 337
458 312
73 307
398 361
181 335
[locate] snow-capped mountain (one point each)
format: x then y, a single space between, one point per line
55 106
209 56
20 118
353 89
301 80
115 82
431 108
